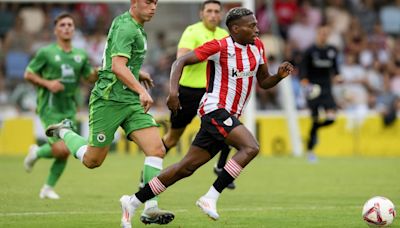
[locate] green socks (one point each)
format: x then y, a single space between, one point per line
74 142
55 171
44 151
152 167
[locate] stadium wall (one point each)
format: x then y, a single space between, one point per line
341 139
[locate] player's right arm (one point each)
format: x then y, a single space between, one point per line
32 75
123 73
197 55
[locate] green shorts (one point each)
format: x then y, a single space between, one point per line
48 120
106 116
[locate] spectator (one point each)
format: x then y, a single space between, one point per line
285 12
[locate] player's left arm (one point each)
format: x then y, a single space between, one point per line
146 79
266 81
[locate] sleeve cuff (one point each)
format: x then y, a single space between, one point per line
121 54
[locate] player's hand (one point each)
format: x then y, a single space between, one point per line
285 69
145 78
145 100
55 86
173 103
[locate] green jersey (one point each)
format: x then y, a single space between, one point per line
125 38
194 76
52 62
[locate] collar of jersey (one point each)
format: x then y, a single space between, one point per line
238 45
60 48
134 21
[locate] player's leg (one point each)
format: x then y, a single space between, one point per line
192 160
247 148
143 130
44 151
189 99
35 153
195 158
60 154
313 137
104 119
171 138
223 157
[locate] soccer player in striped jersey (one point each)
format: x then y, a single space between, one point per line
234 63
192 84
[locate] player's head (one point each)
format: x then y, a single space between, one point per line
211 13
322 35
143 10
242 25
64 26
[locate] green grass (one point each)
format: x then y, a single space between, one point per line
271 192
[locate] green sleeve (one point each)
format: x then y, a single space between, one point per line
188 39
86 68
122 42
38 62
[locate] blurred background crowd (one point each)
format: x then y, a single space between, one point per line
365 32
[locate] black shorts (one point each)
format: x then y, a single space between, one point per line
189 99
215 127
324 101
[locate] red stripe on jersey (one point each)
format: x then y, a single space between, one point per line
220 129
224 73
239 81
239 59
201 108
259 44
249 86
239 84
252 58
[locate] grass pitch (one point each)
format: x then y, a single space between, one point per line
271 192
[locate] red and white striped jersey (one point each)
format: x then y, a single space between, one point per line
231 74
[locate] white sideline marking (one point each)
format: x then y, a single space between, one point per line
45 213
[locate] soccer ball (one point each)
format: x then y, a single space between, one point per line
378 212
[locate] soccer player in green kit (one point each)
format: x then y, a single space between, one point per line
118 99
56 70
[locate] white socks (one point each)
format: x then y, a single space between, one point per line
62 132
81 152
212 194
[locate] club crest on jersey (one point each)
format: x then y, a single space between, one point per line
57 58
101 137
78 58
237 74
228 122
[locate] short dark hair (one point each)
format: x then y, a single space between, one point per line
235 14
62 16
203 5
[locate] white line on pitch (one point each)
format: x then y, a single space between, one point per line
45 213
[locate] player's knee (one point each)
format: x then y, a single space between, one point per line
170 141
60 151
185 171
252 150
92 163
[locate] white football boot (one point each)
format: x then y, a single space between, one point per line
128 210
47 192
208 206
31 158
